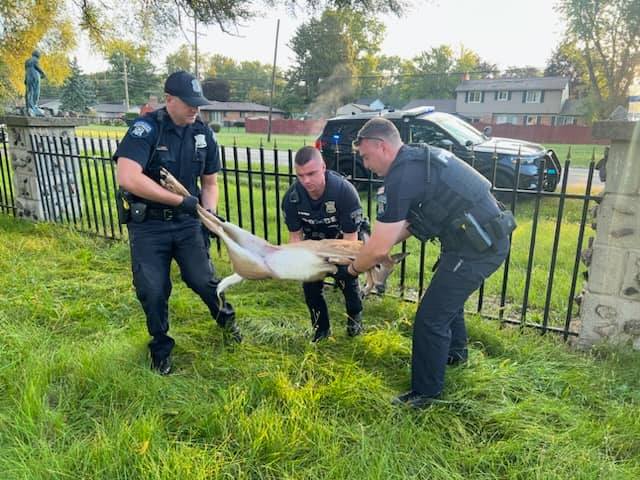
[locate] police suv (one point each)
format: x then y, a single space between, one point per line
496 158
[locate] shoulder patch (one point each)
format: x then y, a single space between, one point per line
140 129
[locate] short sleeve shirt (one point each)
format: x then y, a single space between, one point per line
186 151
404 184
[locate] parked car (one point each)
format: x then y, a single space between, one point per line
425 125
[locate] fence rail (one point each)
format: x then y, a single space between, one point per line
535 288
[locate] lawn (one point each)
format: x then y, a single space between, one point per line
226 137
580 156
77 399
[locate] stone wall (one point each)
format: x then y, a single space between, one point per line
43 156
610 308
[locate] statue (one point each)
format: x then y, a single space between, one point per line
32 75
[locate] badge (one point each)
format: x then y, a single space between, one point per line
356 216
330 207
381 198
201 141
140 129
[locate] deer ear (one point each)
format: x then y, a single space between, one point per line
398 257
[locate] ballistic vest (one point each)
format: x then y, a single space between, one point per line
453 188
322 221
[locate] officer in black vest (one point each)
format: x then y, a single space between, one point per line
162 225
430 193
323 204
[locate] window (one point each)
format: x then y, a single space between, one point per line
425 133
502 96
510 119
531 120
533 96
475 97
562 120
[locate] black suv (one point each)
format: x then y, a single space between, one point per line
425 125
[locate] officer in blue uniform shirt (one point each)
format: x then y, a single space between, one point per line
432 194
163 225
323 204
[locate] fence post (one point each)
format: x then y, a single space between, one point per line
610 308
43 175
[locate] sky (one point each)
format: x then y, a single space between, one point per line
504 32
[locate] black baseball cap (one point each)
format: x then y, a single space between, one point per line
186 87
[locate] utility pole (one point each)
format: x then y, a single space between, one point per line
195 42
126 82
273 82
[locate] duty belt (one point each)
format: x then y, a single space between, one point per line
165 214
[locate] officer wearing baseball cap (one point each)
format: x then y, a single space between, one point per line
186 87
162 225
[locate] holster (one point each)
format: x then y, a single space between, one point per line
123 207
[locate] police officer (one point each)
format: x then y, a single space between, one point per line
323 204
430 193
163 225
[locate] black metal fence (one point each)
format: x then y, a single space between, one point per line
536 286
7 203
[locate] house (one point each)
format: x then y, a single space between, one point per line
518 101
50 104
235 112
375 104
113 110
353 108
441 105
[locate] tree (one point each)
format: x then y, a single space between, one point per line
521 72
141 78
147 14
216 89
353 38
25 26
567 61
607 35
436 73
77 92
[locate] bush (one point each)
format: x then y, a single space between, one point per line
215 126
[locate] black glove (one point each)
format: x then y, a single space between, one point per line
205 231
343 273
189 206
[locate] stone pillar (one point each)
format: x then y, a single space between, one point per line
45 166
610 308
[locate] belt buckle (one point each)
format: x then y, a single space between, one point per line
167 215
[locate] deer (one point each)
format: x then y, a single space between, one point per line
253 258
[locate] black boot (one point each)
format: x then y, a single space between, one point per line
354 325
231 330
320 334
161 365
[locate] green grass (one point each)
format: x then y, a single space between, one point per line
581 155
77 399
226 137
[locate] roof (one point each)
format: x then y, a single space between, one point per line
215 106
573 108
362 108
532 83
110 107
441 105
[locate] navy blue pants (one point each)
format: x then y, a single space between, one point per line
439 330
314 297
154 243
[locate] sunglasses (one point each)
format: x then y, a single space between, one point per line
359 139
